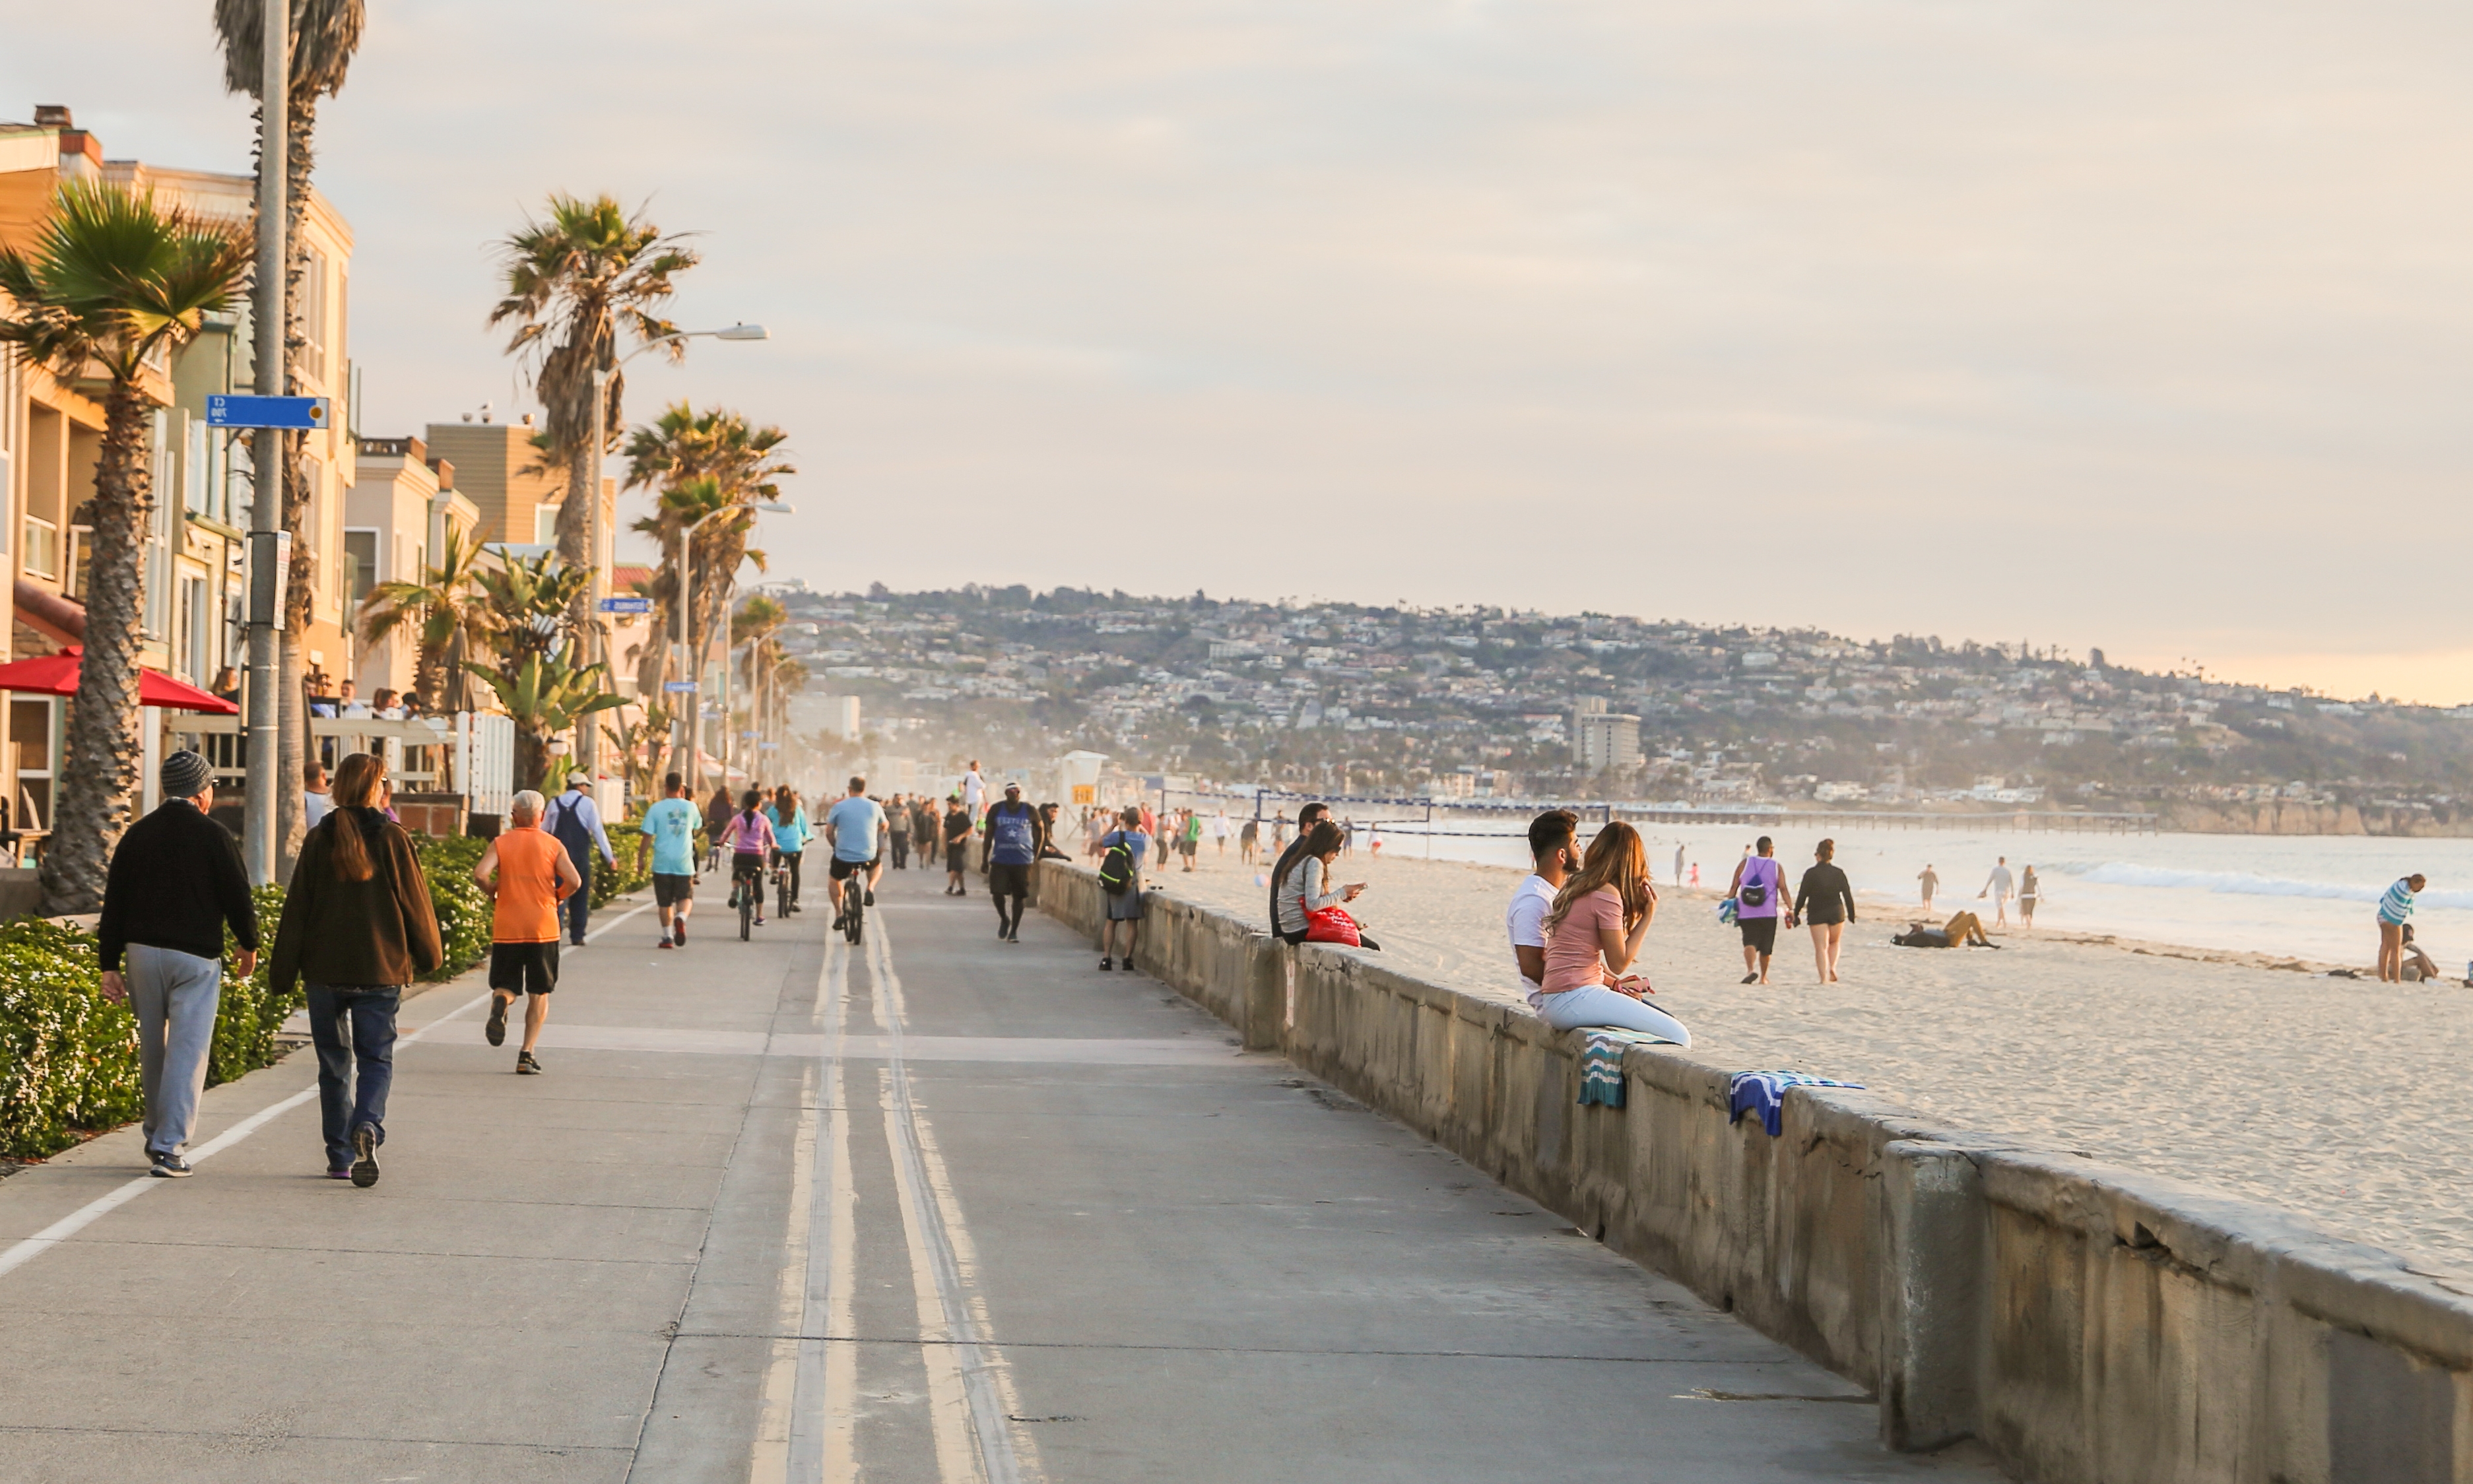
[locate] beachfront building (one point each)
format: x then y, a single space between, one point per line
51 431
405 506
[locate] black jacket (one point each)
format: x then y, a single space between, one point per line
357 933
176 880
1824 889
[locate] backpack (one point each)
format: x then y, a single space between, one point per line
1117 866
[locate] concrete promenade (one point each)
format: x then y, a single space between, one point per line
942 1209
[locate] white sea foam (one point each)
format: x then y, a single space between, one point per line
2245 883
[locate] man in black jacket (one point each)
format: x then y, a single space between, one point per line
176 880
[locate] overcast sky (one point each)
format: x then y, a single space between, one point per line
2100 322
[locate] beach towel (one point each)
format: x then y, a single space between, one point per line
1765 1093
1602 1054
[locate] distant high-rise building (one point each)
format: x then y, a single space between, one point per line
1603 739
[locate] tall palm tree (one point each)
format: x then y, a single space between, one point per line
528 607
324 34
715 551
547 696
110 287
446 612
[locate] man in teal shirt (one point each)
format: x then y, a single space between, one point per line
670 831
790 835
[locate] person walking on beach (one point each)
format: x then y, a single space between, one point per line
957 845
1013 845
1825 903
2028 893
1188 842
1930 880
1219 831
1120 879
175 881
1999 887
1679 864
526 873
897 820
668 831
2395 908
1249 843
574 821
1757 884
1594 932
357 926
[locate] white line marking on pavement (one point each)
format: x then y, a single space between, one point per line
932 1220
29 1249
1098 1050
823 1417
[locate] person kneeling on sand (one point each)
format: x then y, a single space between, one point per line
2416 964
1964 929
1593 936
1556 853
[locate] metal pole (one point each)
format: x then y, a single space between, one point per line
727 663
275 97
682 718
597 648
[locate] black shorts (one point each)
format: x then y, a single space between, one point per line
524 968
1006 880
744 864
844 869
669 891
1759 933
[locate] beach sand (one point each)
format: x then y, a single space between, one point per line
2343 1098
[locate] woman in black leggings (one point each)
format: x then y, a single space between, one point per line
1825 903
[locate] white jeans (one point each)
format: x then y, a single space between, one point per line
1596 1005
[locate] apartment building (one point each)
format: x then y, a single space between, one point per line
404 507
50 433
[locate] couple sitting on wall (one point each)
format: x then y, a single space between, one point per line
1577 927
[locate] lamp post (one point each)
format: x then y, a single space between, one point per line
269 550
597 541
686 656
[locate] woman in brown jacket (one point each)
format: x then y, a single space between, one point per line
357 926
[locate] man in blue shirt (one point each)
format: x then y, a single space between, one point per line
790 835
574 820
855 829
670 831
1013 844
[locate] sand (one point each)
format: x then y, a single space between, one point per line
2342 1098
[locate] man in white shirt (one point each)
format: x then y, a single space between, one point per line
974 792
1553 846
1998 886
1219 830
315 801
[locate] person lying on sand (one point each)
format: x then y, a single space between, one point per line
1964 929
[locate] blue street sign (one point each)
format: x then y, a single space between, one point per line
678 686
307 414
626 605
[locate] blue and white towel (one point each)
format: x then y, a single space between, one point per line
1765 1093
1601 1057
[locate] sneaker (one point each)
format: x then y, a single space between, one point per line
171 1167
344 1173
526 1066
665 943
871 897
1106 964
365 1157
680 928
496 1029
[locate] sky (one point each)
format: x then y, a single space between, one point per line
2090 324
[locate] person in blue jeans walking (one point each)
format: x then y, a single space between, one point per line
357 926
574 821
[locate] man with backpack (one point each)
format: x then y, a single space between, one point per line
1120 878
1013 845
574 821
1758 882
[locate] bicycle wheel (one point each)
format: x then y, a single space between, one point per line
782 890
855 899
747 899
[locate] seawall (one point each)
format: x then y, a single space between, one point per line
2087 1323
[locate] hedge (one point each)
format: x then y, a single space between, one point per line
68 1056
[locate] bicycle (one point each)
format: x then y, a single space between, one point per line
747 891
782 887
855 907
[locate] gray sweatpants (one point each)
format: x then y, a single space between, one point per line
175 996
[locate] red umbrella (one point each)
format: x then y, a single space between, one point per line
57 675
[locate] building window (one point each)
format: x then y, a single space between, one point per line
196 469
313 317
196 629
360 566
42 547
29 738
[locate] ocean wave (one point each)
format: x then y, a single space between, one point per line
2242 883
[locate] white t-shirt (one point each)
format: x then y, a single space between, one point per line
314 807
1525 922
973 789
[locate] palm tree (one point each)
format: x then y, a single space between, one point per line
546 697
446 610
111 286
324 34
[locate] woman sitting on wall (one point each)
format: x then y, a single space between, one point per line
1592 937
1308 902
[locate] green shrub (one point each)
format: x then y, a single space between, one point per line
464 910
609 882
68 1057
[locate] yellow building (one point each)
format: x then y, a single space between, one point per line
50 435
403 505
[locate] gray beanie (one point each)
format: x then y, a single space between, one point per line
185 774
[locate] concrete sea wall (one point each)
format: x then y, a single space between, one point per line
2089 1324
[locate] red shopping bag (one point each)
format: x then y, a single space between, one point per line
1332 925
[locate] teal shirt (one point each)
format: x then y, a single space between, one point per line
672 824
790 835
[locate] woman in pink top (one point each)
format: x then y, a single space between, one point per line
748 837
1592 937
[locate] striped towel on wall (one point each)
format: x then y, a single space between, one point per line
1602 1054
1765 1093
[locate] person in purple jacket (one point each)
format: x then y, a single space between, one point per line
1758 882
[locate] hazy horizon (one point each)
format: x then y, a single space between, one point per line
2087 326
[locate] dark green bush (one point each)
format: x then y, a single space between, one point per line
68 1057
609 882
463 908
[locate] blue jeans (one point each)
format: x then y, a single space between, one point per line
578 908
352 1023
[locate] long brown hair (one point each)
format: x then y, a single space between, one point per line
1321 843
1618 859
356 786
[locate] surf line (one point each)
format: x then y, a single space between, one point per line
940 1249
30 1248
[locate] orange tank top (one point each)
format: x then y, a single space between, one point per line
528 887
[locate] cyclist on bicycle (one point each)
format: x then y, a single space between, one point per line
746 837
790 835
855 829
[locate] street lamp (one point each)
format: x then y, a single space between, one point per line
687 684
597 539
